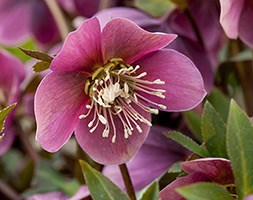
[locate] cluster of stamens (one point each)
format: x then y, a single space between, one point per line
113 89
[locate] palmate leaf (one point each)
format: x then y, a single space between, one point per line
187 142
100 186
240 149
152 193
204 191
213 131
4 113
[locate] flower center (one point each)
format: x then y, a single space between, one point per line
113 89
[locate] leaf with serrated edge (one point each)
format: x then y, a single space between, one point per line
204 191
40 66
152 193
240 151
100 186
213 131
4 113
187 142
37 54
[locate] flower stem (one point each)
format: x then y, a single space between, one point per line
127 180
58 17
8 191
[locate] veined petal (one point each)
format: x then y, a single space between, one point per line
124 39
102 149
245 31
216 169
82 49
157 152
230 15
169 192
59 100
183 83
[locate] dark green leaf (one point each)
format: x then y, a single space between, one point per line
213 131
4 113
152 193
41 66
240 151
193 121
37 54
100 186
156 8
220 102
204 191
187 142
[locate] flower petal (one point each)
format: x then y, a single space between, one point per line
183 83
81 193
81 50
87 8
142 20
102 149
230 16
157 151
124 39
245 31
15 21
169 193
216 169
49 195
59 101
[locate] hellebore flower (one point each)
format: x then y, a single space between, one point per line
11 76
156 155
235 17
216 170
102 85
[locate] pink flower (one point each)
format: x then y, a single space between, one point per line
102 85
11 75
216 170
235 17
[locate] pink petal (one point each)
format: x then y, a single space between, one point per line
183 83
49 195
157 152
142 20
123 38
245 31
249 197
59 101
102 149
81 50
81 193
230 15
87 8
15 21
216 169
169 192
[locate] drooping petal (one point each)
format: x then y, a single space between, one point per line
59 101
157 152
230 15
102 149
216 169
81 50
142 20
169 192
15 21
183 83
42 24
129 42
245 31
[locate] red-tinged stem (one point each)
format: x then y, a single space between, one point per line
58 17
128 182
